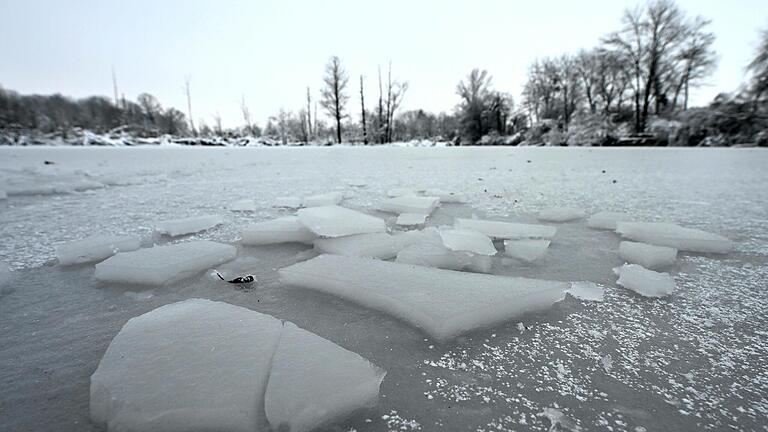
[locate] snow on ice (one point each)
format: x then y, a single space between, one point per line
506 230
645 282
649 256
335 221
287 229
95 248
190 225
528 250
674 236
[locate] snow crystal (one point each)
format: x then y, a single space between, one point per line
163 264
177 227
649 256
287 202
587 291
437 255
506 230
442 303
95 248
528 250
410 204
411 219
335 221
467 241
560 214
645 282
608 220
287 229
244 205
674 236
326 199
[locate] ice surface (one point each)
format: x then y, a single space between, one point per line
3 194
410 204
161 265
195 365
357 183
177 227
95 248
649 256
506 230
561 214
335 221
326 199
442 303
398 192
528 250
588 291
608 220
437 255
674 236
373 245
5 273
411 219
467 241
447 197
287 229
314 381
244 205
643 281
287 202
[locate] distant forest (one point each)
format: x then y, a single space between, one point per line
632 88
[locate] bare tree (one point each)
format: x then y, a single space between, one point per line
758 69
395 93
189 107
697 59
114 87
334 97
474 92
362 109
246 115
309 114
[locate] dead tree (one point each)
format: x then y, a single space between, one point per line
334 97
362 107
309 114
189 108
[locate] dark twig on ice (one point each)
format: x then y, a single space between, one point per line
237 280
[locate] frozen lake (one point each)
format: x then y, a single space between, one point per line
693 361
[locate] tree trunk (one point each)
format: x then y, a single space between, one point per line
362 106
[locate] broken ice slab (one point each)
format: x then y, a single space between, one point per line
608 220
506 230
335 221
443 303
326 199
447 197
397 192
437 255
643 281
161 265
287 229
410 204
244 205
314 381
588 291
560 214
95 248
200 365
649 256
287 202
372 245
357 183
467 241
411 219
526 250
177 227
674 236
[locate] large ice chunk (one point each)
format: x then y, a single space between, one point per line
643 281
608 220
326 199
372 245
195 365
410 204
335 221
588 291
442 303
314 381
95 248
674 236
287 202
164 264
526 250
286 229
447 197
411 219
506 230
177 227
437 255
648 256
561 214
467 241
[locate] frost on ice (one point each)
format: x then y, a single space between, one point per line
645 282
95 248
649 256
177 227
608 220
161 265
326 199
506 230
587 291
411 219
674 236
560 214
287 202
442 303
314 381
200 365
410 204
287 229
526 250
335 221
467 241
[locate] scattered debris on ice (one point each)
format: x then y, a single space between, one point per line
674 236
649 256
177 227
528 250
561 214
95 248
507 230
411 219
588 291
410 204
467 241
287 229
287 202
645 282
335 221
608 220
326 199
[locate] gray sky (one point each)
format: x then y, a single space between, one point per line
269 51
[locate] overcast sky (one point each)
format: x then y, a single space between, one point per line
268 52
